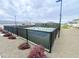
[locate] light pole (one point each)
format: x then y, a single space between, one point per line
60 16
15 21
16 26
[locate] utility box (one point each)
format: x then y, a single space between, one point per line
42 36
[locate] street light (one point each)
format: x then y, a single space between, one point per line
16 26
15 20
60 16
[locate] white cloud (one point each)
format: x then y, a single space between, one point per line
38 9
2 12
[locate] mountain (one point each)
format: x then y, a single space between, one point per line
75 21
9 22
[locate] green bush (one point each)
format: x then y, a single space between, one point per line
66 26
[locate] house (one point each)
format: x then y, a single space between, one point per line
74 23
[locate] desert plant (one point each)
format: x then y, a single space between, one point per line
4 32
7 34
1 29
37 52
11 37
24 46
66 26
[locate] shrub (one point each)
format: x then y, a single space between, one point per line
4 32
1 30
24 46
37 52
7 34
65 26
11 37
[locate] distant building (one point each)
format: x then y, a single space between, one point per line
74 23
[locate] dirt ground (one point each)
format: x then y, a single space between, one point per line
65 46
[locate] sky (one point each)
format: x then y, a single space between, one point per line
38 10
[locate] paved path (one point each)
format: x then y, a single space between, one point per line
9 48
66 46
